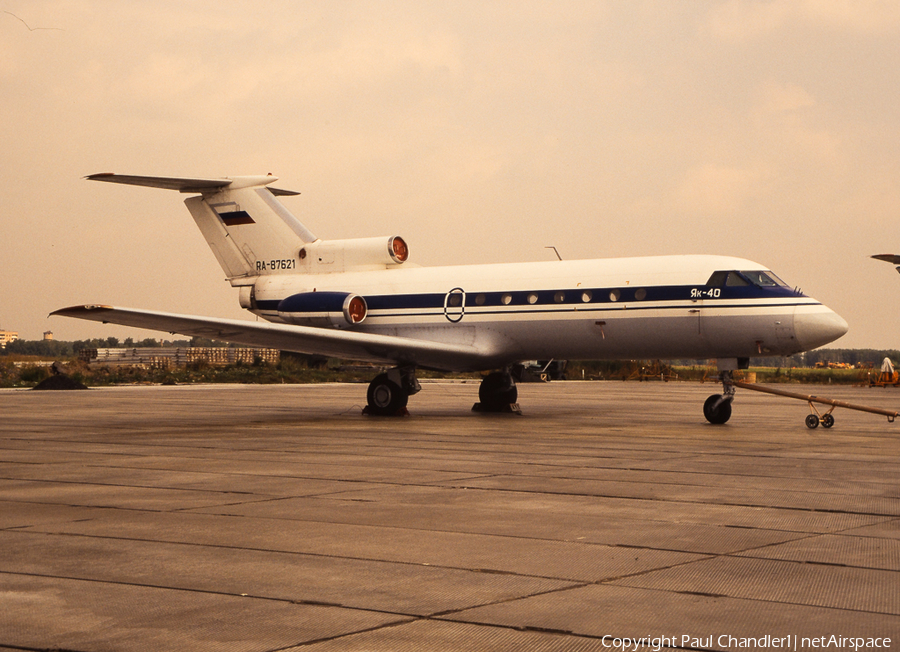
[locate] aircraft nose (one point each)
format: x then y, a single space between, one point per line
818 328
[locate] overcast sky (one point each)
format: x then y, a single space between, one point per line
478 131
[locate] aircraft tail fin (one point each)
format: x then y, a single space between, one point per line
248 229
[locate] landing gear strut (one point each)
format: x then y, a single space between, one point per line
717 408
498 393
389 392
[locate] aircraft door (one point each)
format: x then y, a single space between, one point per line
455 305
703 314
696 318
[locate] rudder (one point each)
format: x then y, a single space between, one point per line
249 231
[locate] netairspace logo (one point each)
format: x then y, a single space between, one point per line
790 643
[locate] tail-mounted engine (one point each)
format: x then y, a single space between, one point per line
328 309
324 256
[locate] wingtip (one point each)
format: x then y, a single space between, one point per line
75 310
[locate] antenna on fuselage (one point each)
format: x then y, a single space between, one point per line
554 251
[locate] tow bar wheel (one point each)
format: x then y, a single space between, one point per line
813 420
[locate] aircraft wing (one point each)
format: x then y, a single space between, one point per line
366 347
888 258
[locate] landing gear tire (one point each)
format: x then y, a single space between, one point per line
827 421
385 397
812 421
497 392
717 409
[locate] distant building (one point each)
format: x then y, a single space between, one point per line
164 357
48 336
6 337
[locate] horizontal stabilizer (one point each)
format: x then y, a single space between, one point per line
367 347
189 185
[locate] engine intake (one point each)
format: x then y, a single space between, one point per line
329 309
328 256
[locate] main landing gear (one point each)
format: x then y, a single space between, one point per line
389 392
717 408
498 393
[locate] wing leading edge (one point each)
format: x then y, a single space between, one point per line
366 347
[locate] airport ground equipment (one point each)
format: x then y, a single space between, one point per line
887 376
814 418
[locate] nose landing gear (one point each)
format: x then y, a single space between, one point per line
717 408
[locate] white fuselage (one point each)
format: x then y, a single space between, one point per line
625 308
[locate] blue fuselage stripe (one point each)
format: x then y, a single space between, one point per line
565 300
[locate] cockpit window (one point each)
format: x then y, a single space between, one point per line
736 280
727 279
717 279
764 279
744 278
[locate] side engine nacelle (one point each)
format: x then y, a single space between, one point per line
324 256
323 309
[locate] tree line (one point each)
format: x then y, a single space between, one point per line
62 349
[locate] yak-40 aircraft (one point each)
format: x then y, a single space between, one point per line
361 299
